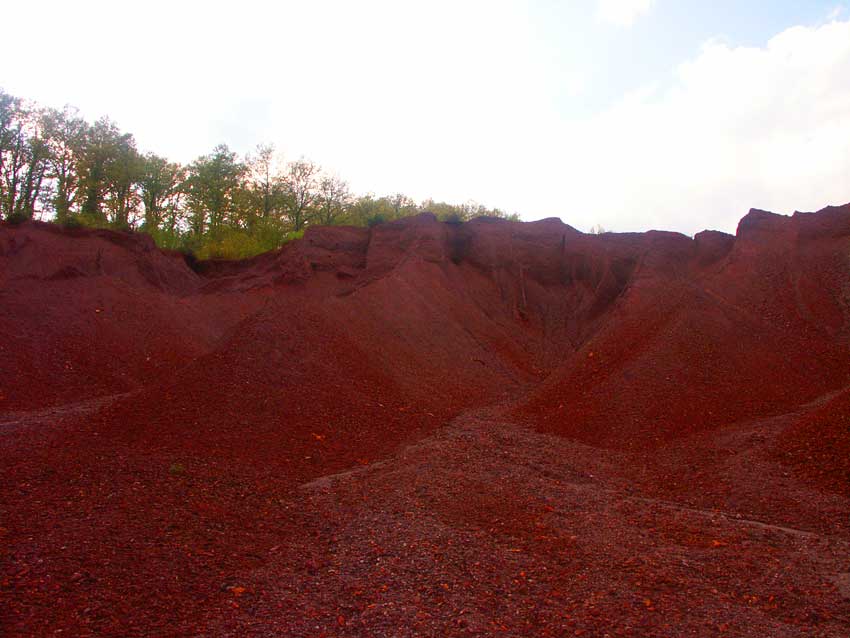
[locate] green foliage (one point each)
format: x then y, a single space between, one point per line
108 168
241 243
16 218
377 218
213 184
72 222
159 183
54 164
23 157
82 220
458 213
167 238
369 211
293 235
229 244
65 133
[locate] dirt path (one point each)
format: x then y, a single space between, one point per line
17 421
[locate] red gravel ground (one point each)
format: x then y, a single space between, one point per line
428 429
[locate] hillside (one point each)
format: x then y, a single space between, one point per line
429 428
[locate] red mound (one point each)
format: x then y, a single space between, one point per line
711 332
818 444
427 428
89 313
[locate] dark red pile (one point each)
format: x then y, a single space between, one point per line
818 444
489 428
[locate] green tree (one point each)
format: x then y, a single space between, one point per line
123 174
402 205
9 113
333 198
23 157
53 161
368 211
65 134
105 170
213 184
301 182
464 212
265 187
160 187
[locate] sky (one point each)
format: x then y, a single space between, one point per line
632 114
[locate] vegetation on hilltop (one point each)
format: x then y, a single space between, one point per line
56 166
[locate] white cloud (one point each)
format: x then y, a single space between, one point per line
765 127
622 12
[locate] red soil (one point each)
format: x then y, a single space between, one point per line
491 428
818 444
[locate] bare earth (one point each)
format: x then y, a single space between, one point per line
422 429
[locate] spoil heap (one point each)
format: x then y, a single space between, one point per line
466 429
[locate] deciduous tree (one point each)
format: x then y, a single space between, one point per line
160 187
333 198
23 157
105 146
212 188
65 135
301 182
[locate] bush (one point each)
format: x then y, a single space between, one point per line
16 219
292 235
241 243
169 240
72 222
377 218
229 244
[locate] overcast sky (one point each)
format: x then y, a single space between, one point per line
633 114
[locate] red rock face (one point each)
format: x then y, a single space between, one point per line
180 443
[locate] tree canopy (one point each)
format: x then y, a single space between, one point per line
56 166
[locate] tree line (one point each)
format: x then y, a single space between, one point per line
56 166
